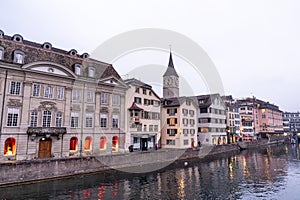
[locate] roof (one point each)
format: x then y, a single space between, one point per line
134 81
204 101
135 107
175 101
171 70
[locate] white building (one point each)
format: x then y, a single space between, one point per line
143 116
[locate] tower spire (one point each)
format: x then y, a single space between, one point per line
171 70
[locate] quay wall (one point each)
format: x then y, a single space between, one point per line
15 172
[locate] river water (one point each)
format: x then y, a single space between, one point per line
266 173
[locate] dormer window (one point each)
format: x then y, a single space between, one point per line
85 55
72 52
91 72
1 53
17 38
19 57
77 69
47 45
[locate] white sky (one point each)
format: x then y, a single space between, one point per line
253 43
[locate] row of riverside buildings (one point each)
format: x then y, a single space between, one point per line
57 103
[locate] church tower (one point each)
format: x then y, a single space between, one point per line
171 81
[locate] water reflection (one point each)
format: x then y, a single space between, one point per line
262 173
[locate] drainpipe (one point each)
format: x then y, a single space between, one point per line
3 103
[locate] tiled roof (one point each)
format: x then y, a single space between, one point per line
171 70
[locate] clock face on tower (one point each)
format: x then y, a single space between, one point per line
171 82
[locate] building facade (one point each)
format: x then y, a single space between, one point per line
143 116
291 122
57 103
211 119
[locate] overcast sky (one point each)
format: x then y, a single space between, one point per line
254 44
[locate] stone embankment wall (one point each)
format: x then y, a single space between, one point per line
40 169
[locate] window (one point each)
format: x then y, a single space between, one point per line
90 96
116 99
204 130
185 121
77 69
203 110
60 92
103 143
145 128
115 144
75 95
192 122
192 132
36 90
137 100
103 120
48 91
88 143
46 118
144 91
15 87
74 120
155 103
104 98
172 132
19 57
89 120
185 142
115 121
1 53
74 144
150 128
192 113
170 142
91 72
184 111
33 118
58 120
12 117
155 127
172 121
137 90
172 111
185 132
150 93
10 147
188 102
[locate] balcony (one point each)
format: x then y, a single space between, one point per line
46 131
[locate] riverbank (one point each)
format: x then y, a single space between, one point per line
16 172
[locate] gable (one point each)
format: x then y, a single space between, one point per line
50 69
113 81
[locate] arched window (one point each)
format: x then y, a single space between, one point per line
214 140
74 144
10 147
88 143
219 140
115 144
103 143
224 140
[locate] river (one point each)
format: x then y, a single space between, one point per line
266 173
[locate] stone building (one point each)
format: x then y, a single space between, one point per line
57 103
143 115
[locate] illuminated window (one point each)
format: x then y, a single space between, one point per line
74 144
88 143
115 144
172 121
103 143
10 147
214 141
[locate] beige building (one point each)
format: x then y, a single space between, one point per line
57 103
143 116
179 128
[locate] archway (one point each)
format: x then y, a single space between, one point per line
115 144
88 143
10 147
219 140
74 144
103 143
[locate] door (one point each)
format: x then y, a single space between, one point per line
45 145
144 144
